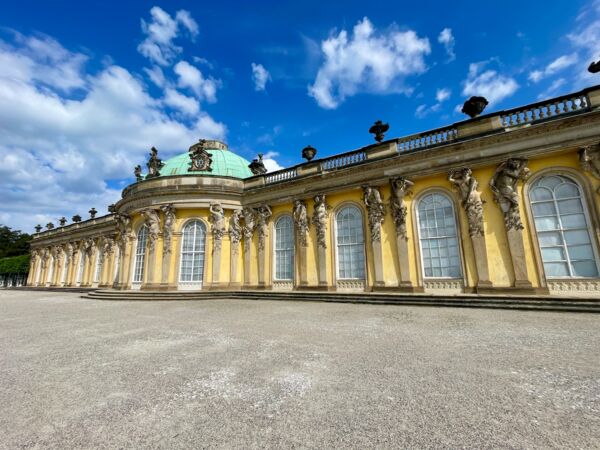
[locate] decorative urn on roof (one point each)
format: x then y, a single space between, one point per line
62 221
76 218
201 160
474 106
378 129
309 152
38 228
257 166
93 213
50 225
594 67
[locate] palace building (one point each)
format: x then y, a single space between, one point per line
505 203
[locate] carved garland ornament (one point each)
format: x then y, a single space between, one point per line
466 185
504 186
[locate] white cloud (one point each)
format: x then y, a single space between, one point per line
156 75
585 39
270 163
186 105
488 83
557 65
260 76
161 31
367 61
190 77
447 40
57 151
442 94
553 90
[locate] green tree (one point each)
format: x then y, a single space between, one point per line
13 242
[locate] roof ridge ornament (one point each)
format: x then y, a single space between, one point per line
201 160
474 106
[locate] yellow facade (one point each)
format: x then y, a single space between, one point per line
512 257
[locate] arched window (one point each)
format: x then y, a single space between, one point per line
284 248
562 228
437 237
350 244
140 255
192 252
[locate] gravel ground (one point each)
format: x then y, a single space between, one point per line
78 373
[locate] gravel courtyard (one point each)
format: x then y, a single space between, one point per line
238 374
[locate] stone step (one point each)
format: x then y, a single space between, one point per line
547 304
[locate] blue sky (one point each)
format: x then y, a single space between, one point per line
86 88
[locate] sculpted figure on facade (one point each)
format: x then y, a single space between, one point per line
168 226
249 224
217 220
263 213
301 222
504 186
87 246
319 220
44 255
375 211
235 230
154 164
400 189
123 224
466 185
152 221
589 159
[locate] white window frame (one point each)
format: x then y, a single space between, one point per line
192 284
457 235
139 257
335 243
584 203
293 248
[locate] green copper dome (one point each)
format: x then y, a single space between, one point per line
224 163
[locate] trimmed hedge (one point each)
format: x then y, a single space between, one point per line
14 264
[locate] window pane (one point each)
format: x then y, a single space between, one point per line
573 221
585 269
570 206
550 238
553 254
546 223
556 269
581 252
543 209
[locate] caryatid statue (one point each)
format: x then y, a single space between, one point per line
504 186
400 189
301 221
375 210
217 220
168 226
249 224
235 228
263 214
152 221
319 219
466 185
